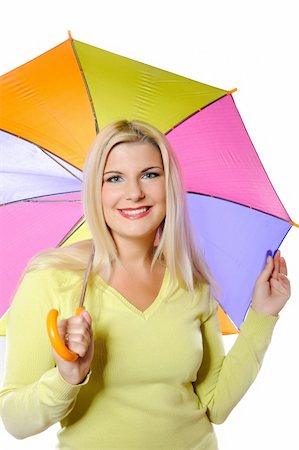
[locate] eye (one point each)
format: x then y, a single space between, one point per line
114 179
151 175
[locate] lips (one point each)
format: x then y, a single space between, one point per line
135 213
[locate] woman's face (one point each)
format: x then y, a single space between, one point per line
133 190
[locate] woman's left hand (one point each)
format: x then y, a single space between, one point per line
272 288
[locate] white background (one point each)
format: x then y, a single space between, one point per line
252 45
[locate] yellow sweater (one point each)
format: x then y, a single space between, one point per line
158 378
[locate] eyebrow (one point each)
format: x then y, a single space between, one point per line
144 170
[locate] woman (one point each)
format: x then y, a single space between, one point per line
151 372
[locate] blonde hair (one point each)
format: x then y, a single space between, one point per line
176 248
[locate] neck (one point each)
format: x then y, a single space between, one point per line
135 253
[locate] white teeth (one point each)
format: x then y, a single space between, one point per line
134 212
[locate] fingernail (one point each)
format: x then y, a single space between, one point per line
268 256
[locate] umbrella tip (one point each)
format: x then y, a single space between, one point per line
70 34
294 224
232 91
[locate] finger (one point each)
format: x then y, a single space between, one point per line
283 266
276 265
84 317
85 314
267 271
78 343
283 279
281 289
79 324
77 338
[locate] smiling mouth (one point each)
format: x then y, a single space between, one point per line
135 213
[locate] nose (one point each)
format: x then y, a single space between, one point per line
134 191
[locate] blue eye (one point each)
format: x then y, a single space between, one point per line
114 179
118 179
151 175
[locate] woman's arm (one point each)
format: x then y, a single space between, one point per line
34 395
223 380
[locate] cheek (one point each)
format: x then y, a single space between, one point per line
110 196
159 193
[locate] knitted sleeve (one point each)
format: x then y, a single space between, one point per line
34 395
223 379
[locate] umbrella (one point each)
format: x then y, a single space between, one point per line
52 108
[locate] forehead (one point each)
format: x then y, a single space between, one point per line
133 153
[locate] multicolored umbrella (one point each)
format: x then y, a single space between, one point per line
52 108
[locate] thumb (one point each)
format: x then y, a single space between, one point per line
268 269
87 317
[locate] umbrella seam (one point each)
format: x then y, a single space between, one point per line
49 155
193 114
241 204
73 230
42 196
85 84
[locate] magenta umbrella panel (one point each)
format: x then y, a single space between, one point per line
236 215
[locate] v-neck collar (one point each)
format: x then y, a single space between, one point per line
148 311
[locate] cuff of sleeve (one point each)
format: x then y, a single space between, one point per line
53 388
260 323
257 330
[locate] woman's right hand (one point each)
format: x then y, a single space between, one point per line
76 332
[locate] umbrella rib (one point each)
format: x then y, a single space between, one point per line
294 224
195 112
282 240
85 84
50 201
49 155
32 199
241 204
73 230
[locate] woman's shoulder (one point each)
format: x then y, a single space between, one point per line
43 288
205 299
202 289
52 277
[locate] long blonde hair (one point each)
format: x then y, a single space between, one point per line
176 248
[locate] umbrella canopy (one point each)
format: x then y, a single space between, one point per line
52 108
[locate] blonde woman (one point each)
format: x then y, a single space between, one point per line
151 372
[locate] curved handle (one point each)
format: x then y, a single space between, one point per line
55 338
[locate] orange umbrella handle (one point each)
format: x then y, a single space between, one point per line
55 338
